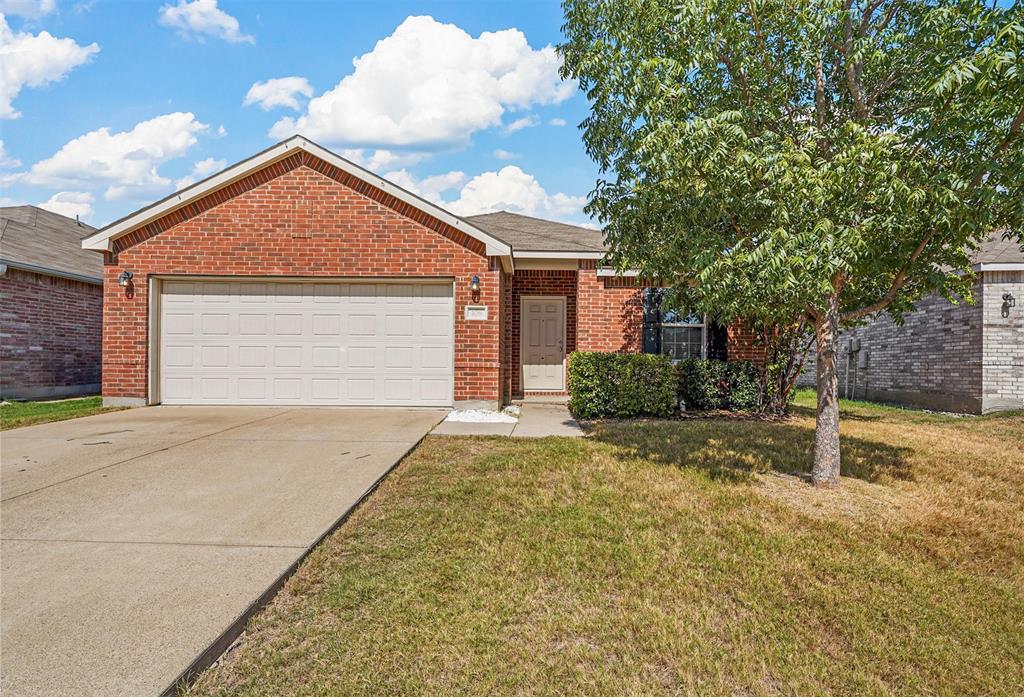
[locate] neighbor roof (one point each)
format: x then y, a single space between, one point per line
996 250
528 235
103 239
38 240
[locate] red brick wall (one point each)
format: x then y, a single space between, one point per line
536 282
743 344
610 311
300 217
49 335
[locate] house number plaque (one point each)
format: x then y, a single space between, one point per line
476 312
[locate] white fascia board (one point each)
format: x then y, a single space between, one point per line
103 239
559 255
1009 266
631 273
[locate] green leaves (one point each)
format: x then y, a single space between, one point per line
621 385
765 150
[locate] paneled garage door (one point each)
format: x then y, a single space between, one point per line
353 343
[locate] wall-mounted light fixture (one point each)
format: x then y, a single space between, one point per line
125 278
474 288
1008 302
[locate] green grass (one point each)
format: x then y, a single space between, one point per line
685 557
18 414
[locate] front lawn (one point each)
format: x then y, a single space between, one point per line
667 558
18 414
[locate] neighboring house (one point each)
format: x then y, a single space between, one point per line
297 277
51 306
965 357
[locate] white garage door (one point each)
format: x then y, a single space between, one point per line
349 343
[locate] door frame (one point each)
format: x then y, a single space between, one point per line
523 332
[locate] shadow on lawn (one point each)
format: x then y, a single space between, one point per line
847 414
731 449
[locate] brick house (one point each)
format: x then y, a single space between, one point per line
298 277
964 358
51 306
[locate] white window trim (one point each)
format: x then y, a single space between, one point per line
703 325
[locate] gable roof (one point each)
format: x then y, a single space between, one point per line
103 239
39 240
533 237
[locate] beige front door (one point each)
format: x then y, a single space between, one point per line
542 326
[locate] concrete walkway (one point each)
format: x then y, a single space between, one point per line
132 541
536 420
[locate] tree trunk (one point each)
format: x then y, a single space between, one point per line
825 472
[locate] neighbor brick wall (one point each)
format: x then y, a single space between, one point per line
300 217
933 361
50 332
610 314
537 282
1003 353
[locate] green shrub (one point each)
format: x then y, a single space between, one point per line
744 391
621 385
705 385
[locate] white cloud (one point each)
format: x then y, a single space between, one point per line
430 188
70 203
280 91
556 122
6 161
200 170
521 123
380 160
512 189
200 18
431 84
509 189
505 154
34 60
128 161
29 9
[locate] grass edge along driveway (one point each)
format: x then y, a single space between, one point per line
667 558
15 414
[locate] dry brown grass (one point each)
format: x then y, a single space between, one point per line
667 558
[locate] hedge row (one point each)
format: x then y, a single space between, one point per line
706 385
621 385
638 384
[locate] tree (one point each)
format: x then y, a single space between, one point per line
814 161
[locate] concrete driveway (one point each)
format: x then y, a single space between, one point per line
132 540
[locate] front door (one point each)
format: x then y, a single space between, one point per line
542 327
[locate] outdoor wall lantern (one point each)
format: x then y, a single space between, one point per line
125 278
1008 302
474 287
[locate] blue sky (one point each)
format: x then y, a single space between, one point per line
107 106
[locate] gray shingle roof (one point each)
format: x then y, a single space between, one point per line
996 250
37 238
526 234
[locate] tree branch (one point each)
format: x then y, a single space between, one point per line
742 78
853 67
819 91
901 278
1015 128
897 283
